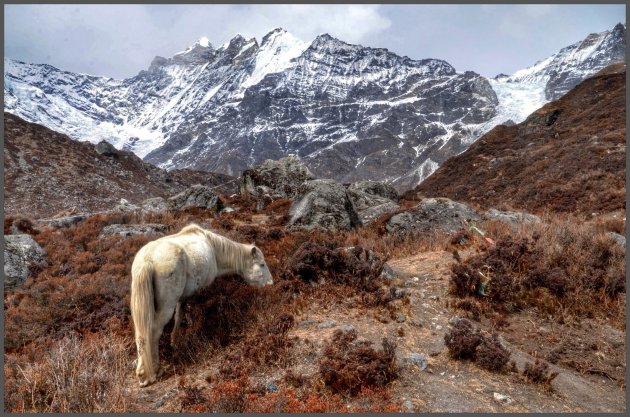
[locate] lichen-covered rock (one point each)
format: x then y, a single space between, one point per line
155 204
512 217
197 196
323 204
127 230
431 214
126 206
281 178
22 256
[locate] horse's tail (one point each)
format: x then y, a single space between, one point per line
143 313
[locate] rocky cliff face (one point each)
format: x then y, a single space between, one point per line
349 112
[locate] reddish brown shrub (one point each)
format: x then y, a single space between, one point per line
491 354
539 373
346 366
463 339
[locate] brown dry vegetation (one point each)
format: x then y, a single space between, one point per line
74 314
79 304
561 267
569 156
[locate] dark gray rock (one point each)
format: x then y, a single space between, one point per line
66 221
197 196
22 256
105 148
619 239
128 230
323 204
346 328
432 214
419 359
388 272
281 178
514 218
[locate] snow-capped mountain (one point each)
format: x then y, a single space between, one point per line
549 79
350 112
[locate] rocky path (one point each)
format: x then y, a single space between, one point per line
429 381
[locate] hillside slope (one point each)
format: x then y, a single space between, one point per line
568 156
46 171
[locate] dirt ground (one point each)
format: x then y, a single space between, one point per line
589 357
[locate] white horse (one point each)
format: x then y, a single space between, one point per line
174 267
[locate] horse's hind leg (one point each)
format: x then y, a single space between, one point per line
178 321
162 317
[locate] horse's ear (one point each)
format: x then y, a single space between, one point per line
254 251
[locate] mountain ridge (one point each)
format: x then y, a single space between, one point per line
350 112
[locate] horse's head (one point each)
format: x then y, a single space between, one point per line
257 272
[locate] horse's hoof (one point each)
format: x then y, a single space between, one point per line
144 384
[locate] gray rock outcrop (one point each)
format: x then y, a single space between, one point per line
66 221
155 204
372 199
197 196
128 230
433 213
512 217
22 256
323 204
281 178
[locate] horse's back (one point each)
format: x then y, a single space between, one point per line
183 262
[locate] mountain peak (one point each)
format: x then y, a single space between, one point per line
276 34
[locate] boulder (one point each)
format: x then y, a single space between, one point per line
431 214
619 239
375 188
128 230
371 199
22 257
105 148
197 196
323 204
281 178
156 204
514 218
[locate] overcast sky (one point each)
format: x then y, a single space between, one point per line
120 40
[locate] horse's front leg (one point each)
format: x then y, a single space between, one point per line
178 321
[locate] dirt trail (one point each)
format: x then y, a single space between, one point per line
418 327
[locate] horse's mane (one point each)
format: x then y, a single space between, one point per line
227 251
